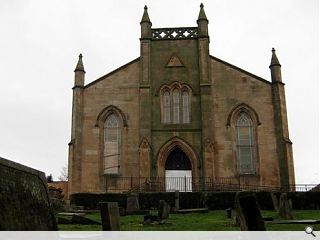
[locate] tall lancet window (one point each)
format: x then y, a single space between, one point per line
176 106
111 152
245 144
166 107
185 107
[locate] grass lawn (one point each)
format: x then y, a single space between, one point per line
212 221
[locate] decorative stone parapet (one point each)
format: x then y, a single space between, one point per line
174 33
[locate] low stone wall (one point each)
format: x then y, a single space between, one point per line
24 199
63 185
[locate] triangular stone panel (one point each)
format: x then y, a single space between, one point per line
175 61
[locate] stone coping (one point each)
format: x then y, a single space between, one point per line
193 210
305 221
23 168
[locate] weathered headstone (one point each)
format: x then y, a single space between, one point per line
164 209
193 210
284 207
148 219
290 203
204 199
133 202
24 199
275 201
76 208
110 217
229 212
248 212
176 201
75 218
78 219
122 211
236 220
64 220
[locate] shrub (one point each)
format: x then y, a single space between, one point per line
91 200
305 200
191 200
220 200
150 200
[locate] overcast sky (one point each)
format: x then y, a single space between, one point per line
40 42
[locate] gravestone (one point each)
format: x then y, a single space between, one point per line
176 201
75 218
204 199
193 210
229 212
24 199
78 219
133 202
148 219
110 217
122 211
248 212
284 208
275 201
164 209
290 203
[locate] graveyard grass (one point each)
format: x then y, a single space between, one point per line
212 221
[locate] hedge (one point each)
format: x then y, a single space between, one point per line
305 200
212 200
151 200
91 200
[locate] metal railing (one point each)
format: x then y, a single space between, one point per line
189 184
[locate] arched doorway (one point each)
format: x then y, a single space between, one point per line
178 171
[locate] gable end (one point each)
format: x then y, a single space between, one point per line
241 70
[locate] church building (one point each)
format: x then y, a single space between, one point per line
178 118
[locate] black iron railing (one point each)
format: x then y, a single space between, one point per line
188 184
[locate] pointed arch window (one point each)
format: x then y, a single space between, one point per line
245 144
185 107
111 153
175 103
176 106
166 107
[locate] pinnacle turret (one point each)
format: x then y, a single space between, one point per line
275 68
80 66
202 14
145 17
202 23
145 25
274 59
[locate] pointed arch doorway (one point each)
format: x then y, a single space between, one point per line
178 171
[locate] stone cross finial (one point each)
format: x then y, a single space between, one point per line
274 59
145 17
202 14
80 66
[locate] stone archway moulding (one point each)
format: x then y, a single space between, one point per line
245 108
167 148
109 110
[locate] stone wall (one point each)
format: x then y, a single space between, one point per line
63 185
24 199
118 89
233 87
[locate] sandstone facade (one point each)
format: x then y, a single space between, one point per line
178 101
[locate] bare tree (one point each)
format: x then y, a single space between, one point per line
64 173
